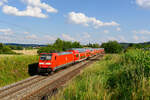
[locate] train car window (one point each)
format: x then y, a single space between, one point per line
46 57
55 57
64 53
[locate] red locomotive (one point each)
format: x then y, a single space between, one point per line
49 62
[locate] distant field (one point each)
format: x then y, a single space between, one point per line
14 68
27 52
116 77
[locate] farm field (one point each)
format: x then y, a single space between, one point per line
14 68
116 77
27 52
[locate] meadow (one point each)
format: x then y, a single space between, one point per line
14 68
26 52
116 77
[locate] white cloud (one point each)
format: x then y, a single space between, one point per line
106 31
38 3
67 37
33 9
143 3
141 32
2 2
80 18
30 11
6 31
7 36
118 29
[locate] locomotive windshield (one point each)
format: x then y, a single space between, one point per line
46 57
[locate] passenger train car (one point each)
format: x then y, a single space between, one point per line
49 62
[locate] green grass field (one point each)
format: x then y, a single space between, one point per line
14 68
115 77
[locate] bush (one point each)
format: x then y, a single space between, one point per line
131 75
112 47
5 49
48 49
13 47
116 77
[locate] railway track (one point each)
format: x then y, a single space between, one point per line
37 87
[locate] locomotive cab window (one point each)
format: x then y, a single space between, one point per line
46 57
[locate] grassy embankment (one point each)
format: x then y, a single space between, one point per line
14 68
115 77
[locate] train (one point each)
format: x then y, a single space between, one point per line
50 62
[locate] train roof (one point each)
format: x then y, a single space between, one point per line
78 49
64 53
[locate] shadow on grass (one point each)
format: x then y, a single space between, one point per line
32 69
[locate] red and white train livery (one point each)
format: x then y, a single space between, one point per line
49 62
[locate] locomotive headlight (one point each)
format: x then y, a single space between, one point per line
48 63
41 63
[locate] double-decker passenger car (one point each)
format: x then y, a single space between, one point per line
79 54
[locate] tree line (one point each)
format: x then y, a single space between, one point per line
5 49
58 46
62 45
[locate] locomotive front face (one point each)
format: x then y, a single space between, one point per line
45 60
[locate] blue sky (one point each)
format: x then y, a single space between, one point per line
94 21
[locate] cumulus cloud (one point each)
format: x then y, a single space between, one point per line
67 37
6 31
33 9
143 3
8 35
30 11
38 3
2 2
142 32
80 18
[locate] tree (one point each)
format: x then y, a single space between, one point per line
112 47
76 45
58 46
96 45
